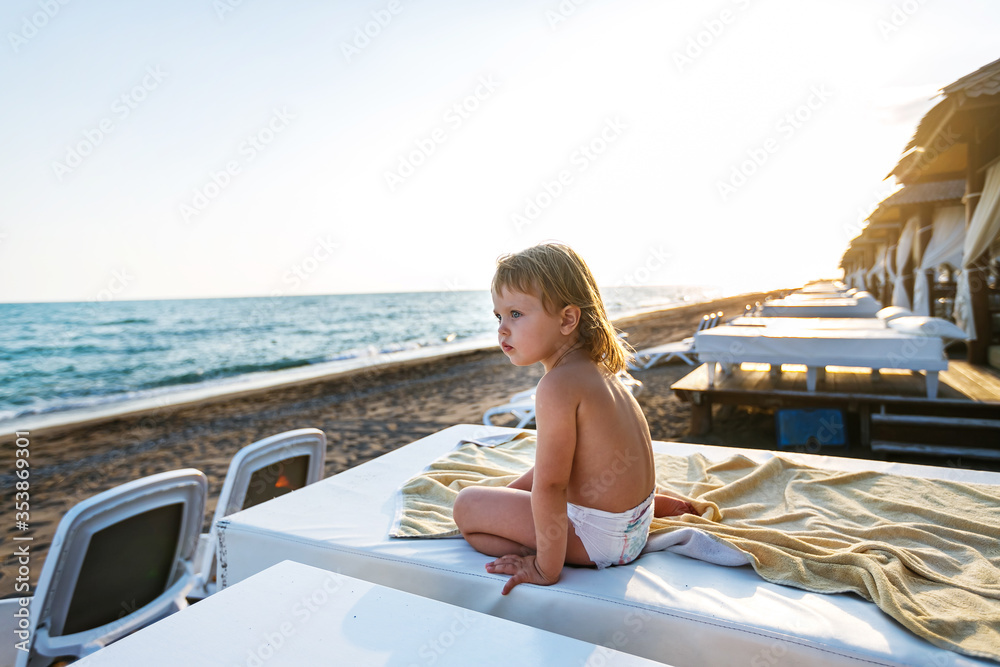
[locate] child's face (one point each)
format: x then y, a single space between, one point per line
527 332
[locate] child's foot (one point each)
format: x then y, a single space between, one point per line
667 506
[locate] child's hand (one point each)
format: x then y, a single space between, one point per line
524 570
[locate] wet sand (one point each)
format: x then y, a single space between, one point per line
364 414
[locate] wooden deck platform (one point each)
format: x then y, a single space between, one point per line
884 410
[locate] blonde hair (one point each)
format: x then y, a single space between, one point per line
561 278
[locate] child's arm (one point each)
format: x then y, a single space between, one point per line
555 411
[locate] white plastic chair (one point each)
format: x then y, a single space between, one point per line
681 349
263 470
118 562
521 405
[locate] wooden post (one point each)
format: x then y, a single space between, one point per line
975 179
908 264
701 413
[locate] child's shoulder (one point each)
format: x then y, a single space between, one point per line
570 377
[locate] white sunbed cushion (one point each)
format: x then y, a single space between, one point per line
890 313
919 325
734 617
863 296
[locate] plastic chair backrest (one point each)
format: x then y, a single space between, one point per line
118 562
261 471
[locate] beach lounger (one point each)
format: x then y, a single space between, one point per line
824 287
521 405
880 321
681 349
118 562
818 348
827 286
259 472
861 304
809 322
294 615
664 606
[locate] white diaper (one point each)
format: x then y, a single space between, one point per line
612 538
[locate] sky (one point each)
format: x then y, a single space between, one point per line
219 148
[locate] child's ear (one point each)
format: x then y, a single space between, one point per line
570 319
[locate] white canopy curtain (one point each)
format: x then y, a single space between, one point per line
945 247
858 279
878 270
890 270
903 248
984 228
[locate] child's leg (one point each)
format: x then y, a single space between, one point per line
665 505
497 521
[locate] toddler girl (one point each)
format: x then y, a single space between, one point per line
567 508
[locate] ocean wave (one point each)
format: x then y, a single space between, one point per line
128 320
42 350
197 377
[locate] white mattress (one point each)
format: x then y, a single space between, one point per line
810 322
804 296
869 348
664 606
833 307
832 287
293 615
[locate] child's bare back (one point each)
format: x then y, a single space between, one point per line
612 466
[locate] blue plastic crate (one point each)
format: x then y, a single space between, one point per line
813 428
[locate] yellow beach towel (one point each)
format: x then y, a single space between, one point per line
423 507
927 552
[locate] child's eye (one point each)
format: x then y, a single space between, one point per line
497 315
515 314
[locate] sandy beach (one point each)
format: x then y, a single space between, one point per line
364 415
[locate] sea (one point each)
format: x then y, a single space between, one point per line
61 362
